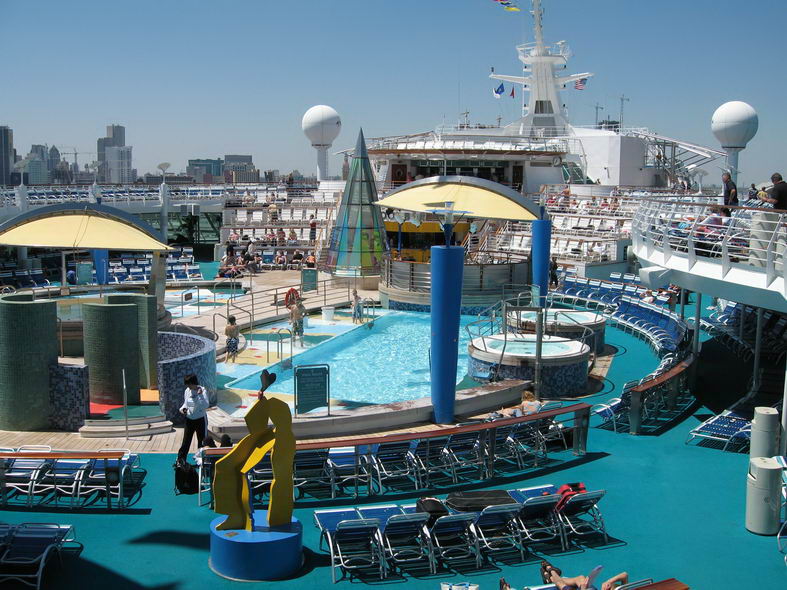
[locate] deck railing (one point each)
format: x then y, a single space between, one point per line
753 238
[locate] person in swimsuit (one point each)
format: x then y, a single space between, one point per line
232 332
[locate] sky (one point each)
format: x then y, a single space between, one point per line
202 79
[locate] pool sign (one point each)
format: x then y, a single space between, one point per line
309 279
312 388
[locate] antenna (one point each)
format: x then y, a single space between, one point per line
598 108
537 13
623 100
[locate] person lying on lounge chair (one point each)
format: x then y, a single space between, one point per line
529 405
552 575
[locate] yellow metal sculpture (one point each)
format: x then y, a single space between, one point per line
230 486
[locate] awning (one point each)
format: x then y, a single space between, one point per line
84 229
474 197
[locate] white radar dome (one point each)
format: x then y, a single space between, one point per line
321 124
734 124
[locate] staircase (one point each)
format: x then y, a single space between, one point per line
144 426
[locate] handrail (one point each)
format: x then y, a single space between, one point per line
580 410
62 454
280 344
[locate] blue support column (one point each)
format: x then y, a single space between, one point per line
539 256
101 264
447 268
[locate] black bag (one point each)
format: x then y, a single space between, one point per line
186 480
434 507
476 501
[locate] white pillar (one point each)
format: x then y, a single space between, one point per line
783 441
322 162
697 319
758 349
22 201
163 193
732 162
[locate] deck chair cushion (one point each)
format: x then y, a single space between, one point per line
477 500
432 506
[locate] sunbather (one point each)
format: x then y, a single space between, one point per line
552 575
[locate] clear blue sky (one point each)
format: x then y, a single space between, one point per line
201 79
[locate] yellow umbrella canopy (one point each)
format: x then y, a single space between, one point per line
473 197
86 228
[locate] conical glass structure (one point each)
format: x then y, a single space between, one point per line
358 237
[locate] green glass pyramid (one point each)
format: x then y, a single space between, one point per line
358 239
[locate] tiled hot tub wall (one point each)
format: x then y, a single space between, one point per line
181 355
557 380
69 396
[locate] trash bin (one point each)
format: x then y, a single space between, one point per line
327 313
763 495
765 433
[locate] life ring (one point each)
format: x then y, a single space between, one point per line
291 297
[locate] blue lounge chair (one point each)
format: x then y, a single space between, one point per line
353 543
497 529
428 458
345 467
580 516
389 461
404 537
726 428
29 548
466 452
453 538
538 521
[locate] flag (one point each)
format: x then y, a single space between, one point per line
512 92
498 92
508 5
580 84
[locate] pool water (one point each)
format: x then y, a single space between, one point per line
527 347
385 364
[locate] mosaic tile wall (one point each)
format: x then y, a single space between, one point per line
28 347
568 380
69 397
402 306
111 337
181 355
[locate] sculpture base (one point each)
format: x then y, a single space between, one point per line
264 554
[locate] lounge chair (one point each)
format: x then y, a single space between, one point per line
497 529
726 428
389 461
29 548
580 516
404 537
453 538
428 457
537 519
345 467
466 452
353 543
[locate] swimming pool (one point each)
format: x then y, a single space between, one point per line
385 364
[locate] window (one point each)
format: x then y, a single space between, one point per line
543 107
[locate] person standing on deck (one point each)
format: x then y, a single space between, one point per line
730 190
553 280
232 332
194 408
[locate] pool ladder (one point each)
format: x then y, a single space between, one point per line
368 304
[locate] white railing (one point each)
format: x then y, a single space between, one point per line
753 238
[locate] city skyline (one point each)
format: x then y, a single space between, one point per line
259 80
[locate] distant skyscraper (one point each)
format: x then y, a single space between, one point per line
116 137
205 169
39 152
7 155
345 167
37 172
118 163
53 159
232 159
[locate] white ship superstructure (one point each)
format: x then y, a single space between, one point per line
542 147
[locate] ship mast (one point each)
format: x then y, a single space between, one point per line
538 29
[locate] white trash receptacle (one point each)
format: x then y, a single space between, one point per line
327 313
765 433
763 495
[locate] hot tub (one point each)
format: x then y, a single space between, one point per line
564 362
566 323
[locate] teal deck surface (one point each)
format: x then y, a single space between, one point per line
671 510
